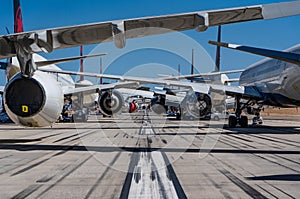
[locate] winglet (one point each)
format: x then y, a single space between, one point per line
280 55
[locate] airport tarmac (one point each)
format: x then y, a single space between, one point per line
147 156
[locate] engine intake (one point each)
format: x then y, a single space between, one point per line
111 102
35 101
196 105
25 96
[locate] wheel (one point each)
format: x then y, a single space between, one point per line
232 121
158 109
244 121
178 116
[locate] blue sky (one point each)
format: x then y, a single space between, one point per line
274 34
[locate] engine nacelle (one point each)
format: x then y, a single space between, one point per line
111 102
158 104
196 105
35 101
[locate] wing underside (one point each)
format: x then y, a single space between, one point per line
120 30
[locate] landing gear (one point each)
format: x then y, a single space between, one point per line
238 118
257 119
242 121
232 121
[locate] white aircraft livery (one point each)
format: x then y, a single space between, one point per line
43 109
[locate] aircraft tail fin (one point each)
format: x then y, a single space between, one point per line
218 51
18 22
81 63
280 55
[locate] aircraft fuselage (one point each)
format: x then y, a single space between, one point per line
277 81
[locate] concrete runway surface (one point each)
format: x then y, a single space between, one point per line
147 156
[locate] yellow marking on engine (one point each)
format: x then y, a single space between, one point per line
24 109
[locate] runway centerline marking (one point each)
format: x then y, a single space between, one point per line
150 174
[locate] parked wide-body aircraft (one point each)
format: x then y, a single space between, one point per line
269 82
34 98
274 81
64 81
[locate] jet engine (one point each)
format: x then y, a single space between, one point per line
158 104
35 101
196 105
111 102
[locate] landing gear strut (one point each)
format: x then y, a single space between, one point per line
238 118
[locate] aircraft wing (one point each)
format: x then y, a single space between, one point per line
280 55
68 59
93 89
200 75
241 91
140 80
245 92
118 31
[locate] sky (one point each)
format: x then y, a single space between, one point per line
158 53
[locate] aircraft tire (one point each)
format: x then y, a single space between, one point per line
244 121
232 121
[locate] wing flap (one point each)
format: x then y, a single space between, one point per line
170 23
234 15
81 35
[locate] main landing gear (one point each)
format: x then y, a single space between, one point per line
242 120
238 118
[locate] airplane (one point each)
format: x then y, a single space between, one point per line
12 67
273 81
34 98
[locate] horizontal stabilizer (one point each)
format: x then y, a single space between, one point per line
56 61
280 55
